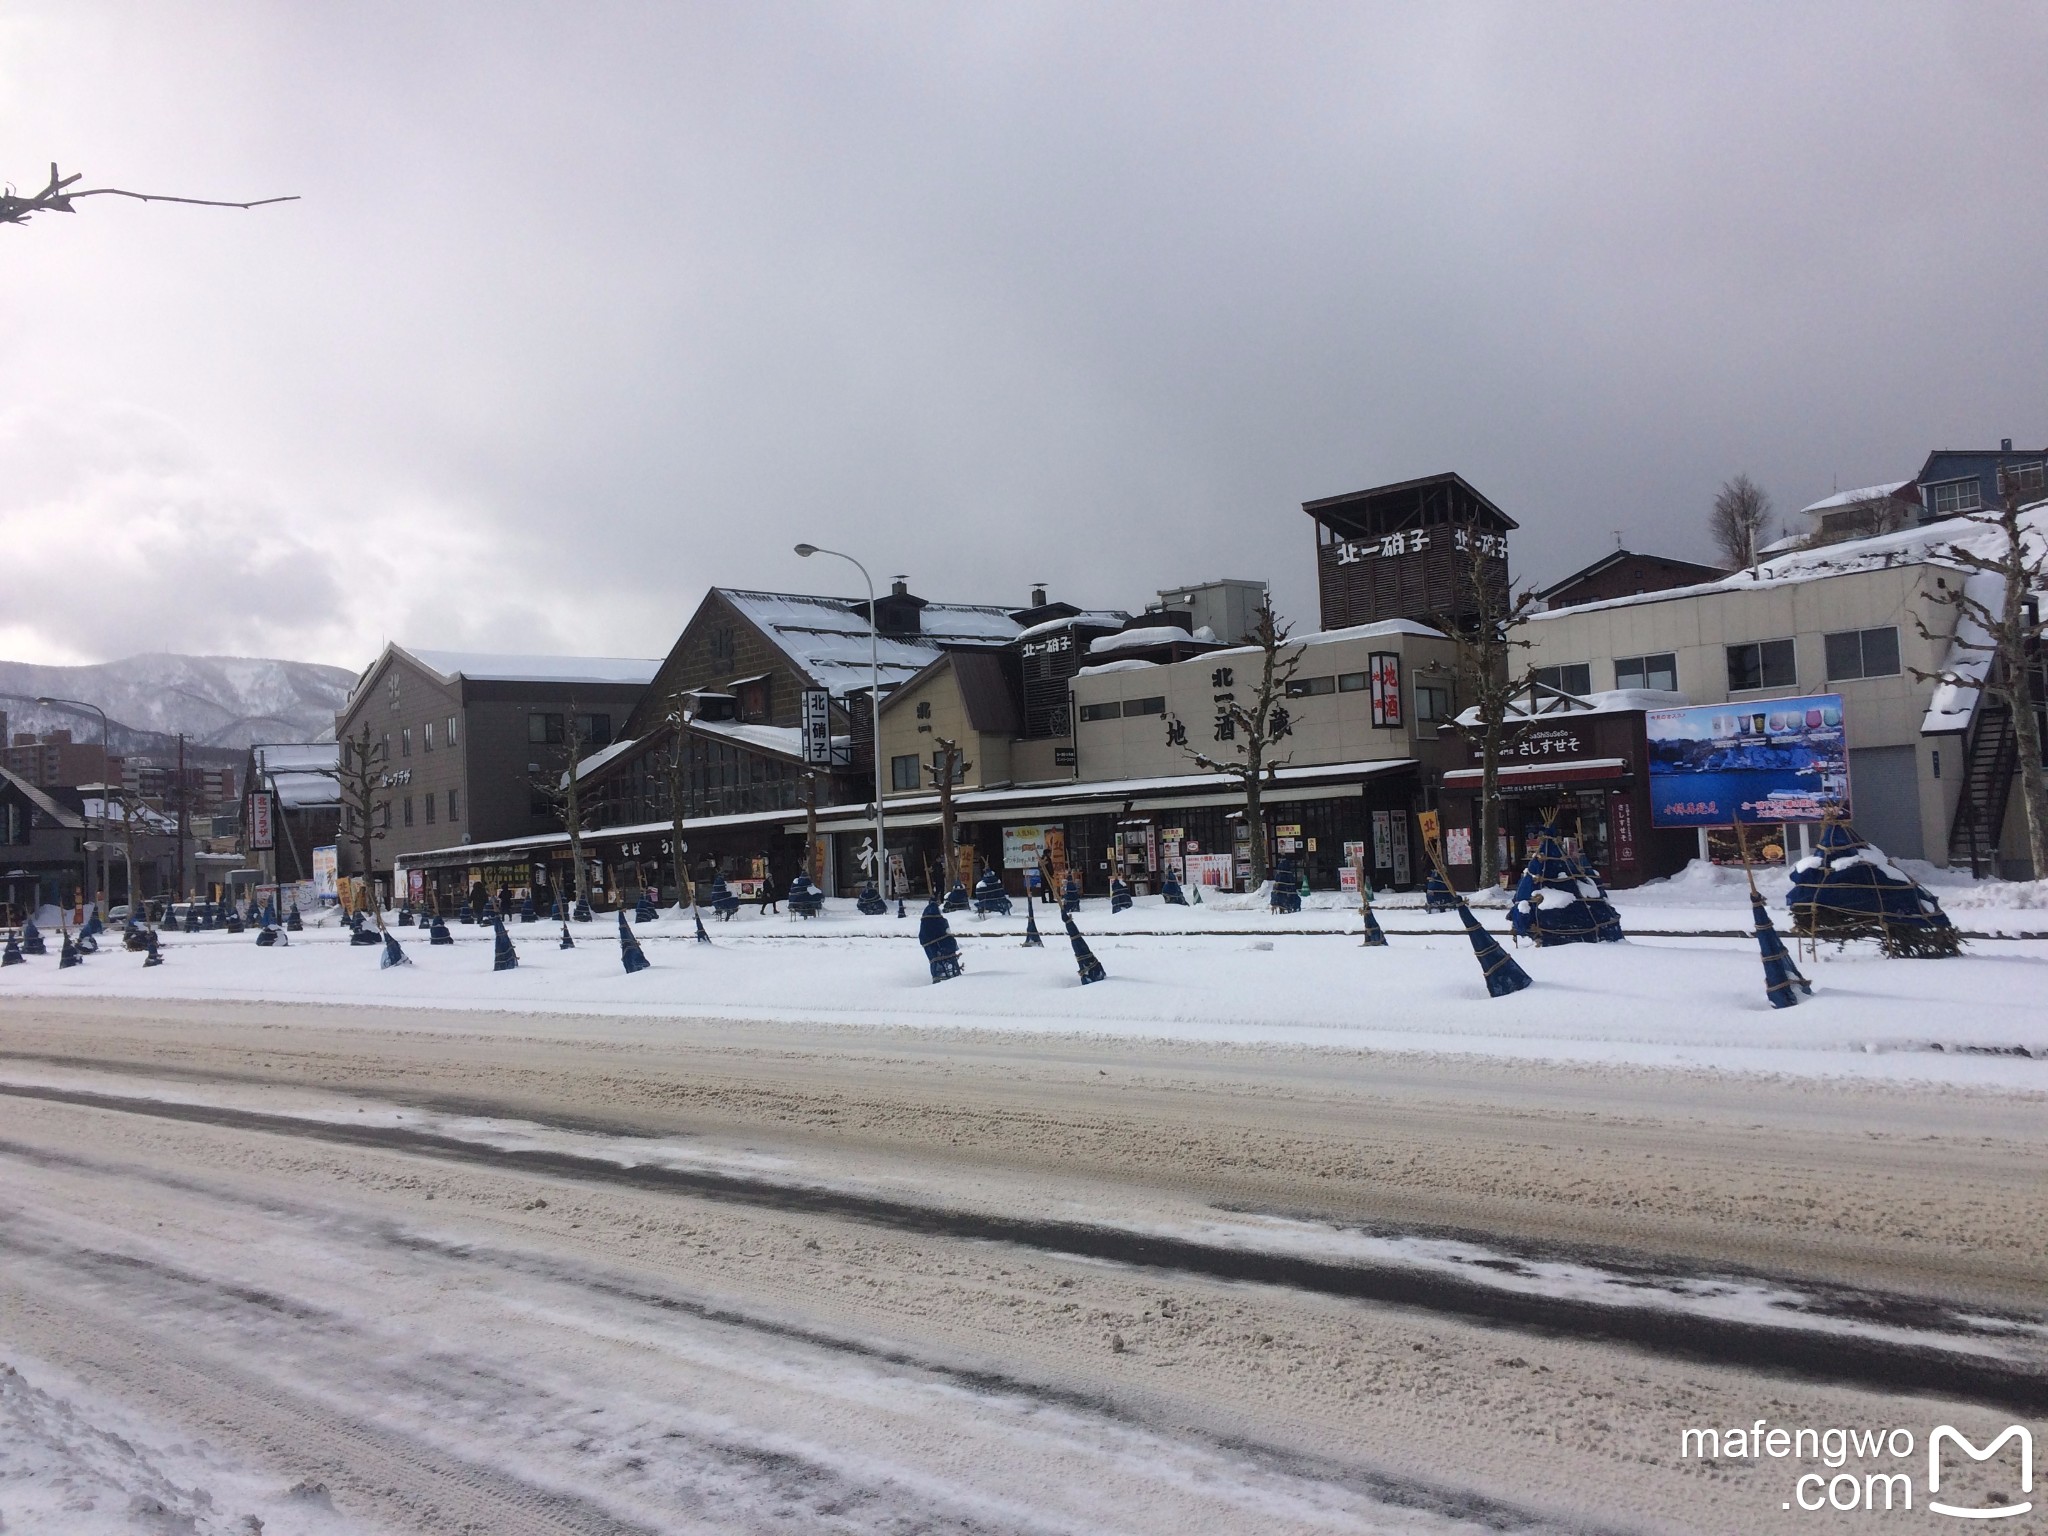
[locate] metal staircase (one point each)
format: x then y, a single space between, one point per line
1990 758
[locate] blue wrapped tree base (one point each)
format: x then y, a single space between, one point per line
805 899
1171 893
870 903
68 956
32 939
1084 957
567 941
503 956
1783 983
151 955
1848 890
957 899
721 899
630 953
1032 940
1119 895
698 917
1560 899
393 954
437 932
1070 895
989 895
643 910
941 949
582 912
1375 936
11 954
465 913
1437 895
266 937
1502 974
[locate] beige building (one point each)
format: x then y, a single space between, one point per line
1839 619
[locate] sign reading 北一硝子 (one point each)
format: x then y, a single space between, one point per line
1769 760
817 727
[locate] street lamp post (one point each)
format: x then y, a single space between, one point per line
882 880
53 703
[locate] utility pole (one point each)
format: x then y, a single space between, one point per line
183 831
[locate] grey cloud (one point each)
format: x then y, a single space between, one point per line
588 308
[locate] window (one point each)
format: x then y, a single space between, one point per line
1953 497
1310 687
2031 476
1659 672
451 730
427 737
903 771
545 730
432 801
939 766
1863 653
1151 706
1351 682
1763 664
406 812
1109 711
1432 704
454 805
384 816
594 730
1573 677
405 741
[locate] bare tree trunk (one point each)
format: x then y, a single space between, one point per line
572 814
950 762
811 870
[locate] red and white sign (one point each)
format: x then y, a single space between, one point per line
261 837
1386 687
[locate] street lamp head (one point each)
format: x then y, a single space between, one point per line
807 550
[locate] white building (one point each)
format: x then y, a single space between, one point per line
1844 618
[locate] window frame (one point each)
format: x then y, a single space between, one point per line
1643 670
1861 637
1558 682
1765 651
1450 704
1353 682
1155 704
1976 492
546 728
1109 709
1311 687
896 770
454 805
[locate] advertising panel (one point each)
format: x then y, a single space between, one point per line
1210 869
261 835
326 868
1771 760
1024 846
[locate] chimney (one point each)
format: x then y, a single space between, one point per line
2005 445
901 588
1038 595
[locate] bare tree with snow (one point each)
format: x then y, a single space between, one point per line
1997 640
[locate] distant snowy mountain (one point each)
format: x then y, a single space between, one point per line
223 702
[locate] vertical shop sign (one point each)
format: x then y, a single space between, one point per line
1386 688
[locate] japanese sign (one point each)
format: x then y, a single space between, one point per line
1023 847
817 727
1415 541
1386 688
1777 760
262 835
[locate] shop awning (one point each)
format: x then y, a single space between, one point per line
1523 776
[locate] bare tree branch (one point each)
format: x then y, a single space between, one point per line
16 209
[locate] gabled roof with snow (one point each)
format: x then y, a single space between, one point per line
306 774
57 814
1857 497
486 667
828 637
1925 544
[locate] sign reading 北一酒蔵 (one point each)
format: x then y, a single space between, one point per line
1712 765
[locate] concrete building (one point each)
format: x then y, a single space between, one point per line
459 740
1844 618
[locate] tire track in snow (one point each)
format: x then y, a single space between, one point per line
1829 1358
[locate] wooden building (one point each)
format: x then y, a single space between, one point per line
1419 549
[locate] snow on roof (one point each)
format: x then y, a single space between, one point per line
1128 664
585 767
115 816
828 637
1857 497
305 774
480 667
1386 629
1954 703
300 756
785 740
1141 637
1612 701
1103 617
1923 544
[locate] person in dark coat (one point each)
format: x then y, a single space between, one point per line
771 893
480 901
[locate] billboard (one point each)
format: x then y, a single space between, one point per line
326 881
1770 760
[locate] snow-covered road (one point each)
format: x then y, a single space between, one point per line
343 1270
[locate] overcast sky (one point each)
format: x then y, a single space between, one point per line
588 306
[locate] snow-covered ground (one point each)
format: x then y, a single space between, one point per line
1687 989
